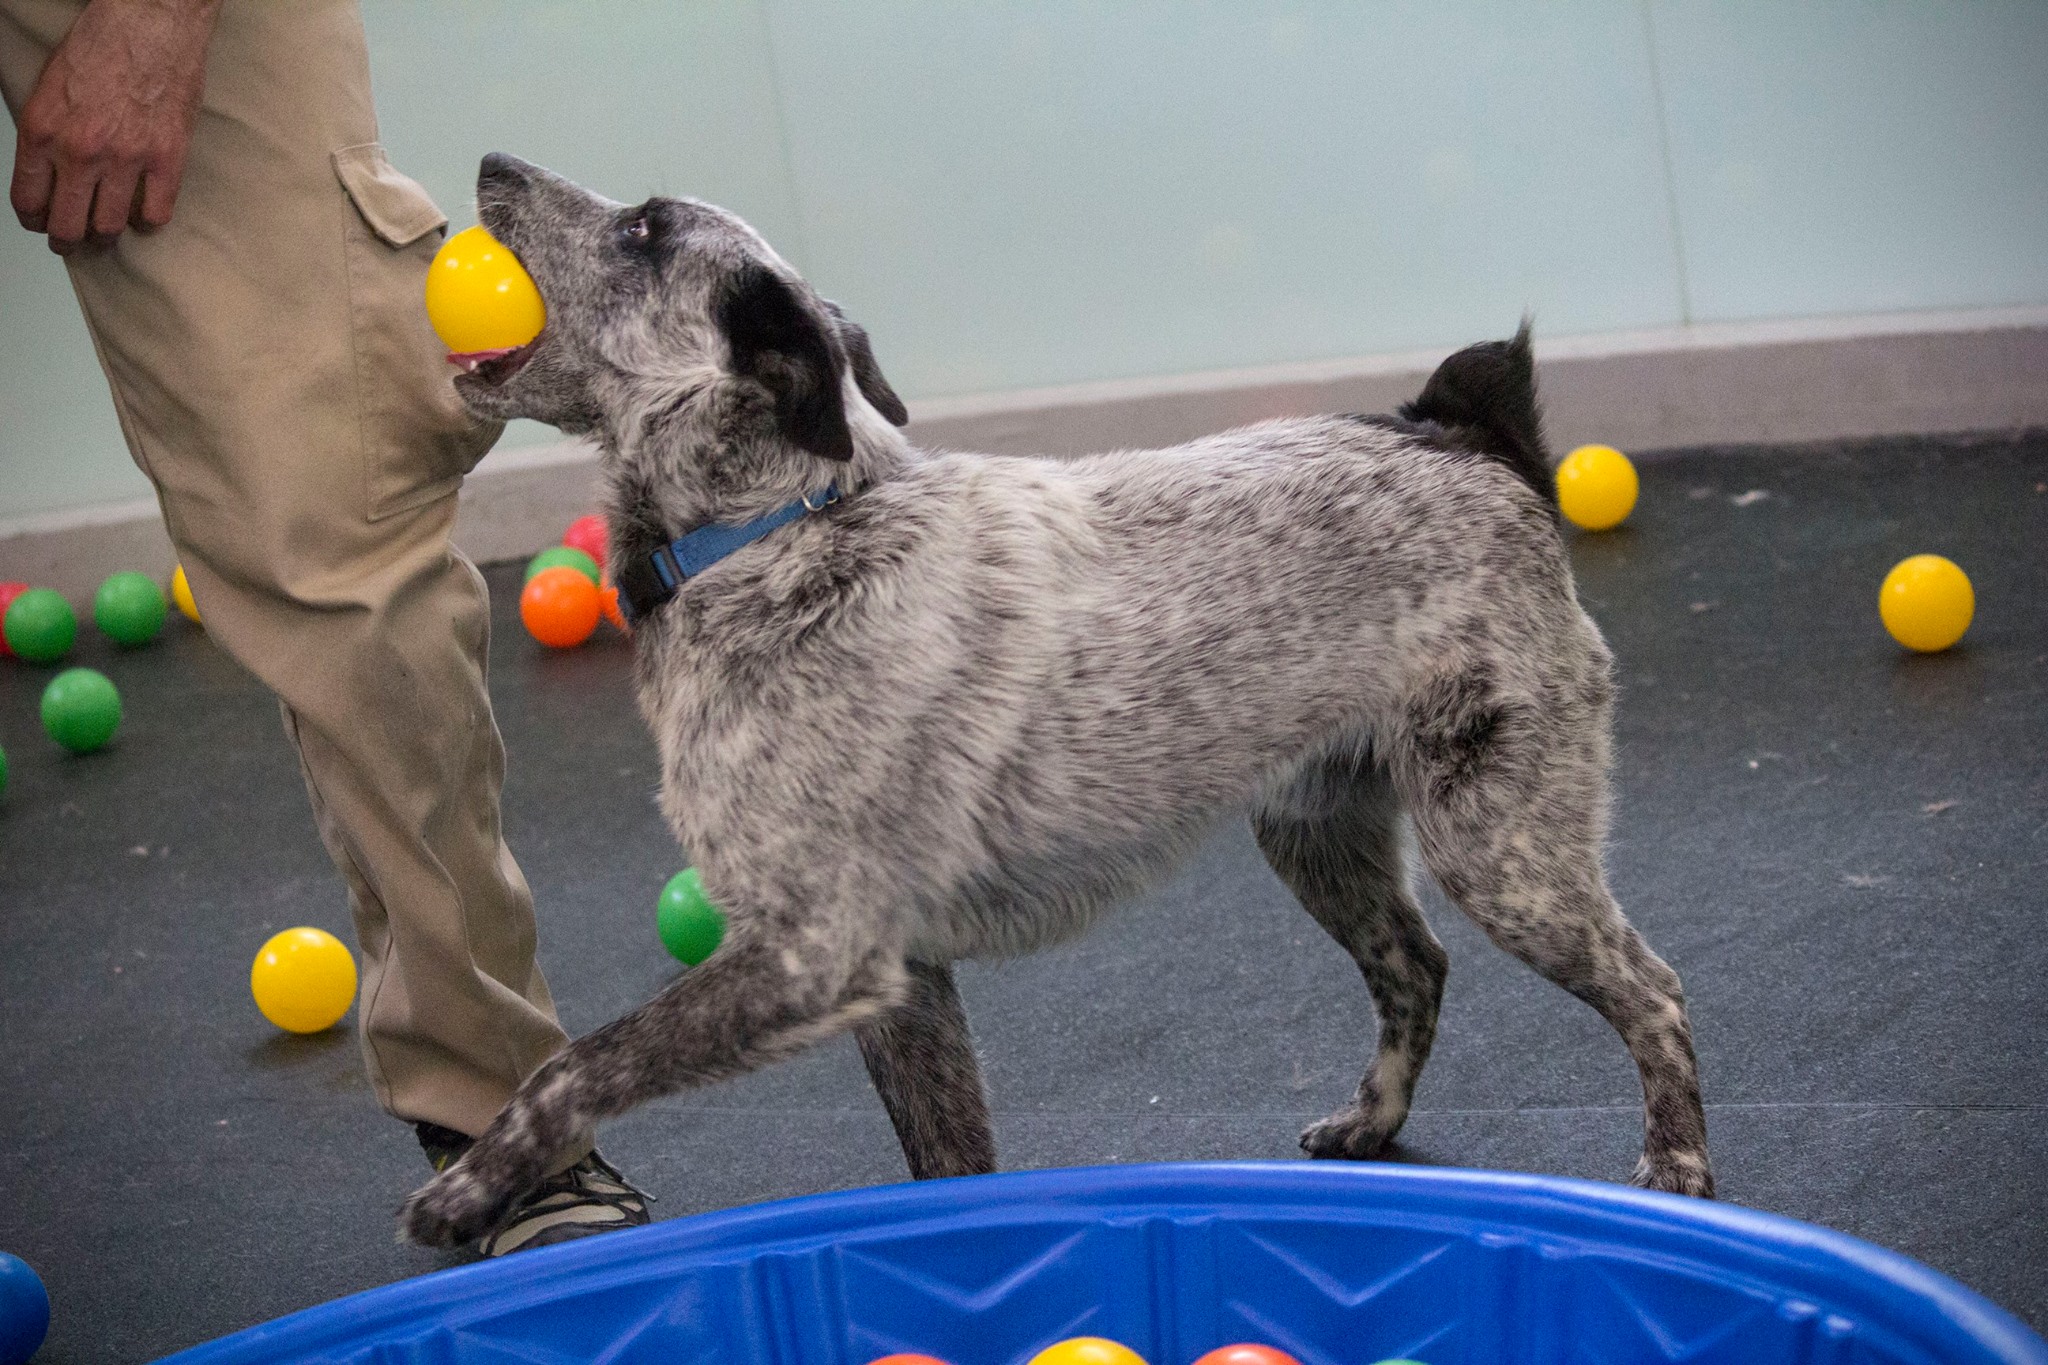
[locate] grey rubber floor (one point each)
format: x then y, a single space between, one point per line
1839 846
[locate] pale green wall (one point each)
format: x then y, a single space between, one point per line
1020 195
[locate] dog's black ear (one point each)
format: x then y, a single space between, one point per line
866 373
780 340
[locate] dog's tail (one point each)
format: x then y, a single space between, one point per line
1485 395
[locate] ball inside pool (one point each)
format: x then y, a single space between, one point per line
1087 1351
907 1358
81 709
303 980
480 298
40 626
130 608
1596 487
691 927
1244 1353
24 1310
1926 603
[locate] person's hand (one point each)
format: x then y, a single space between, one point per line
100 144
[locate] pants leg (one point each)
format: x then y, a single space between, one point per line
276 380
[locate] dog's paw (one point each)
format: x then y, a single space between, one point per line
452 1210
1675 1173
1350 1134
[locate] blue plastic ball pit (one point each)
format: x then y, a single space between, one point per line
1340 1265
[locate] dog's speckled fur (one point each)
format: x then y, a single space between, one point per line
967 709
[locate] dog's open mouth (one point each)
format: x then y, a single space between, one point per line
495 367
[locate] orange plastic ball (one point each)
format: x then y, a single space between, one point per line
560 607
1244 1353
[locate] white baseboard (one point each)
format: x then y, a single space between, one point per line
1778 382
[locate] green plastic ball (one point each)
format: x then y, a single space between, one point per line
564 554
3 772
81 709
691 927
130 608
39 626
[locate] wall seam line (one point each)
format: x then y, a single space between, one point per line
805 262
1685 313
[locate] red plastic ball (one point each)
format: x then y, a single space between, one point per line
907 1358
588 535
560 607
8 592
1247 1354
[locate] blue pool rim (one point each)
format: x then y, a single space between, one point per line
1844 1273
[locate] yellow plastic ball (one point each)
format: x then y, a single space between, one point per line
303 980
1926 603
1087 1351
1596 487
181 593
479 297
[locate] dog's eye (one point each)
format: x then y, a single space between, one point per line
635 232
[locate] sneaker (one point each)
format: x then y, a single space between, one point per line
590 1197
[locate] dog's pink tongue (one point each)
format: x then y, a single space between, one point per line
469 360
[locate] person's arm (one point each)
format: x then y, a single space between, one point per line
100 144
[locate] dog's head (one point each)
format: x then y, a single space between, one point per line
666 305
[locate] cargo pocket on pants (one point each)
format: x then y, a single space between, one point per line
418 439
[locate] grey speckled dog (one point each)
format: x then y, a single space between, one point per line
977 700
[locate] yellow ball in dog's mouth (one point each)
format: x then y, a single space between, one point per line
480 299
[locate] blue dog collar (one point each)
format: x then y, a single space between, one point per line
654 578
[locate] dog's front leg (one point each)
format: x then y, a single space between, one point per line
748 1004
921 1059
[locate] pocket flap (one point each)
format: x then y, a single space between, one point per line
396 206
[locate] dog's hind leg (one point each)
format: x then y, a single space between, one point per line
921 1059
1333 835
1509 797
752 1002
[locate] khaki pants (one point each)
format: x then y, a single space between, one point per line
276 379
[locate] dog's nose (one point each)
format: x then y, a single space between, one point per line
503 168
